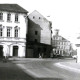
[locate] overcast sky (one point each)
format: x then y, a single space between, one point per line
64 14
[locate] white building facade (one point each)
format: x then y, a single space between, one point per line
61 45
13 30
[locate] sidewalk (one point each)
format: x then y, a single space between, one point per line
69 66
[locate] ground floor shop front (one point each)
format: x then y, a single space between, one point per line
12 49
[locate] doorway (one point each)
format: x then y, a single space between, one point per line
1 51
15 50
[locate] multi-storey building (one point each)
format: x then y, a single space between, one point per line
39 36
13 29
61 45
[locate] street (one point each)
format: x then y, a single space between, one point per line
36 69
45 69
9 71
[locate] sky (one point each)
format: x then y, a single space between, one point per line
64 14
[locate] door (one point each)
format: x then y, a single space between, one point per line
29 53
1 51
15 50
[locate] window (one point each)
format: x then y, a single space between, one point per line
36 32
51 31
35 40
1 16
8 17
44 49
33 17
39 17
1 32
8 31
16 32
16 17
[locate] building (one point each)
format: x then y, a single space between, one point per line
13 29
61 46
39 36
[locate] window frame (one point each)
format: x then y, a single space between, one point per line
8 16
9 31
36 32
16 17
36 40
16 31
1 16
33 17
1 32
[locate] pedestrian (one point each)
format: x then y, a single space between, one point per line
40 56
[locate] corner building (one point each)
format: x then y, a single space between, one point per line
62 46
13 29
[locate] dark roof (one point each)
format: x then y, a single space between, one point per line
12 8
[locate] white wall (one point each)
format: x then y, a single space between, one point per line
20 42
22 24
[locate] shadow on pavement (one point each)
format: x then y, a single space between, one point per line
9 71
